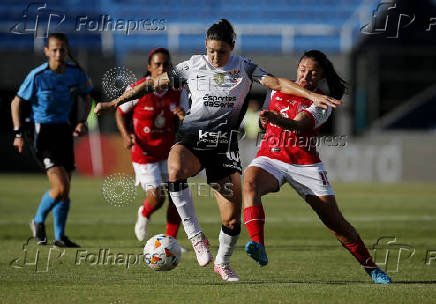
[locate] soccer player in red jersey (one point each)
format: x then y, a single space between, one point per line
287 154
154 127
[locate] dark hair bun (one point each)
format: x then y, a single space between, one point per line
221 31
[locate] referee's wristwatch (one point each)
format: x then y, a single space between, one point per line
18 132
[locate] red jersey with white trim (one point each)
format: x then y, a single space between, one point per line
153 124
289 146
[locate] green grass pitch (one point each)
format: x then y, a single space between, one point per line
307 264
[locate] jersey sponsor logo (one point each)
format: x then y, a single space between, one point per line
212 139
148 108
219 101
205 134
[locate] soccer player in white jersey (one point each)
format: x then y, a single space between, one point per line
288 155
207 139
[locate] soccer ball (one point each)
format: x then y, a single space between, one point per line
162 252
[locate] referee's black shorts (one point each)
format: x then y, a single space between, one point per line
53 145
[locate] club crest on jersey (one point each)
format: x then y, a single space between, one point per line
159 121
235 75
283 112
218 78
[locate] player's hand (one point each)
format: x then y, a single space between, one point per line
80 130
179 112
19 144
323 101
129 141
105 107
266 116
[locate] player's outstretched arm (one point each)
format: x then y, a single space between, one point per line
301 123
148 86
289 87
15 112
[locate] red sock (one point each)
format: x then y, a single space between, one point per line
173 219
148 210
254 220
361 253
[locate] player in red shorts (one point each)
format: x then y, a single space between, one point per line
154 127
287 154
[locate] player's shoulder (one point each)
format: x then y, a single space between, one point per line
284 96
245 60
137 82
174 93
73 68
197 61
72 65
38 70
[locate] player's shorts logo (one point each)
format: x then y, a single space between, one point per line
48 163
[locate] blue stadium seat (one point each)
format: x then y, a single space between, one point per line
333 13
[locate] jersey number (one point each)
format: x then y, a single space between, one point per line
323 175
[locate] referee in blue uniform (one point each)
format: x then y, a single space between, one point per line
50 89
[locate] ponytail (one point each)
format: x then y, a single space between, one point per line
337 86
221 31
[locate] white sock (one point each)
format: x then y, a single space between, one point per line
185 207
227 245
